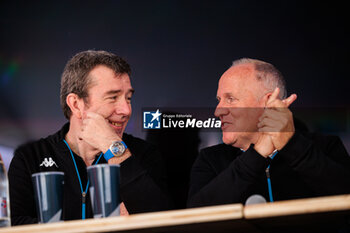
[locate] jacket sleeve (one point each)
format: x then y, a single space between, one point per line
143 183
232 185
22 201
322 162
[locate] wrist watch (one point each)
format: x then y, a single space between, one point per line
116 149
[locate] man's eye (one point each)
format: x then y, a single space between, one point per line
113 97
230 99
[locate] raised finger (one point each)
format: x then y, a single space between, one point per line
273 96
288 101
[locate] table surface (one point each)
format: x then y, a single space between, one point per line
321 214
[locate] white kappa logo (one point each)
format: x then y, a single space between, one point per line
48 162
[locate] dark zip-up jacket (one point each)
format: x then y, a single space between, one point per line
310 165
142 178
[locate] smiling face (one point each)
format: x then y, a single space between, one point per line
240 103
110 96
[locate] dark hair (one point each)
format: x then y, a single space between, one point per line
75 78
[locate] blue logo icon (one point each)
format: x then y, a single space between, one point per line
151 120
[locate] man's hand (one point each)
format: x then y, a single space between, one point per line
97 132
264 145
119 160
277 120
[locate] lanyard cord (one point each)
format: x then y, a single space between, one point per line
268 177
267 171
83 193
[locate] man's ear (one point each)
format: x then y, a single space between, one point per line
75 104
266 98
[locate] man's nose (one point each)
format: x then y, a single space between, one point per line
220 110
123 107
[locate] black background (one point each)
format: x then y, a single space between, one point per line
177 50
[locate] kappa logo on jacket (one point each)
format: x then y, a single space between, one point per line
48 162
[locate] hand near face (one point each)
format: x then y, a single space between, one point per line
277 120
264 145
97 132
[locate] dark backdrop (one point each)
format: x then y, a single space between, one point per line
177 51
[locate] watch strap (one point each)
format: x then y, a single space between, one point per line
124 145
108 155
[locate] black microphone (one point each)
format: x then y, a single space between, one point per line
255 199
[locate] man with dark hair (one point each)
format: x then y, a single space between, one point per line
96 99
262 152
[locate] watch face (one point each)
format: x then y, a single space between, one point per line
117 148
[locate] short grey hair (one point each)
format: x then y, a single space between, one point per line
267 74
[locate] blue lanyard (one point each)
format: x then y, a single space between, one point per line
269 186
267 171
83 193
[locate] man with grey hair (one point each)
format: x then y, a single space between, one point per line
262 152
96 97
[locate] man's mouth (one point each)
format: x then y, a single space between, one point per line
224 124
116 124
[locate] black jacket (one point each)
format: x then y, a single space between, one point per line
309 165
142 179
